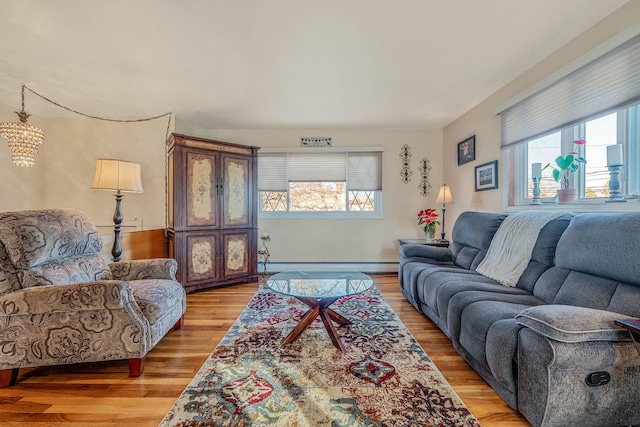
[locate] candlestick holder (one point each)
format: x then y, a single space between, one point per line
615 195
264 254
536 191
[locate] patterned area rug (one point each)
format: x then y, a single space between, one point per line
384 379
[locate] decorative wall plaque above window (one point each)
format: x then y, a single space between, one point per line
315 142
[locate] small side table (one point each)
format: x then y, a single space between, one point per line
633 326
440 244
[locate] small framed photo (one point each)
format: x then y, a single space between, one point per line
467 150
487 176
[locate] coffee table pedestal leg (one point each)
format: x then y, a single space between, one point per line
319 307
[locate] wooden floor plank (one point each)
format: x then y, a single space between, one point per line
102 394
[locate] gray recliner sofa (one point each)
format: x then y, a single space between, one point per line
548 345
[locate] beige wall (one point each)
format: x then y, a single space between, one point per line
482 122
65 166
369 240
66 161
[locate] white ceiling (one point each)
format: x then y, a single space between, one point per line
271 64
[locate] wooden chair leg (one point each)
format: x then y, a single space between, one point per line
136 366
179 323
8 377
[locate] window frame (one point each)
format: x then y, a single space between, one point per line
519 185
376 213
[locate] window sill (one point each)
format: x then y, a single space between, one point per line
631 205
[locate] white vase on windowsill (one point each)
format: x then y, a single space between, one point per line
567 195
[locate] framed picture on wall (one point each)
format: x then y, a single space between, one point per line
486 176
467 150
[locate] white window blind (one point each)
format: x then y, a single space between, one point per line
364 171
607 83
272 172
360 168
318 167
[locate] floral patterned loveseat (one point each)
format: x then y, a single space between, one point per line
60 303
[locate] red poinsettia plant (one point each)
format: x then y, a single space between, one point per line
427 219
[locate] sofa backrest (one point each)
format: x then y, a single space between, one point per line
471 237
50 247
544 251
597 264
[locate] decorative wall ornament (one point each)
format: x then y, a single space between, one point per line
424 186
405 155
315 142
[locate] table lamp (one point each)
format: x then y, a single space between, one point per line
119 176
444 197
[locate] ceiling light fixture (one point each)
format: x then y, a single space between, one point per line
23 138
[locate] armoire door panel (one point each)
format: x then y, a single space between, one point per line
236 249
237 189
202 257
202 198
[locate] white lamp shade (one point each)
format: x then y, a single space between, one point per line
117 175
444 196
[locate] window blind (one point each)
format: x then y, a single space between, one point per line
605 84
361 169
364 171
317 167
272 172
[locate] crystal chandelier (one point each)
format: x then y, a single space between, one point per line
23 138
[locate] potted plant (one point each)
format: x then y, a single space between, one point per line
566 165
427 219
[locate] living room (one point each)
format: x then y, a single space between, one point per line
65 163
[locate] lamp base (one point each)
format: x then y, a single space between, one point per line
614 200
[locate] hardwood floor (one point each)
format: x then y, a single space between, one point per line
102 394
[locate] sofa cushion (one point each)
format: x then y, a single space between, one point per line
32 238
544 252
512 245
476 320
460 300
471 235
429 253
603 245
156 297
566 323
87 268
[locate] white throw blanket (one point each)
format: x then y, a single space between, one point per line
512 245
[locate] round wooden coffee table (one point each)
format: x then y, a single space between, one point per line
319 290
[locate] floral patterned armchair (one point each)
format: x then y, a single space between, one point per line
60 303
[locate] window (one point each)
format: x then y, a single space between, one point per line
595 99
592 178
322 182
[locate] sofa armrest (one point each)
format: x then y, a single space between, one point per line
156 268
570 324
104 294
435 253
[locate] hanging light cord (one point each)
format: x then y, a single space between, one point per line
96 117
170 114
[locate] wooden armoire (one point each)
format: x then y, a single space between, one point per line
212 208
